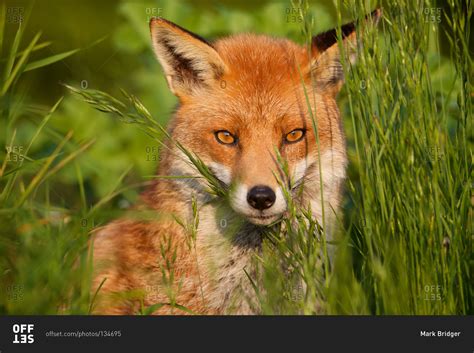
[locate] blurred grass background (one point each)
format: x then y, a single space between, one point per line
106 163
124 60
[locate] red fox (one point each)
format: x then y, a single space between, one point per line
242 98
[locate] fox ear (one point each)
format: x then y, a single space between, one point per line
326 65
188 61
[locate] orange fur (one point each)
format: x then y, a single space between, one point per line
249 85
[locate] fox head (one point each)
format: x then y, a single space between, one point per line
245 97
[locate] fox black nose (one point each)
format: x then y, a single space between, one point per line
261 197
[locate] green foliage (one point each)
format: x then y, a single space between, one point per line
411 221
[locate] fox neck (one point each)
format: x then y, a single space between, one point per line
226 243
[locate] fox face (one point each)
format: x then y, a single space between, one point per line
246 99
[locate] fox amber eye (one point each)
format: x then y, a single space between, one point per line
295 135
225 137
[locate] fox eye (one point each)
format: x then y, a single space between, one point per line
295 135
225 137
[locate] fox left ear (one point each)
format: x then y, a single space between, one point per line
189 62
326 65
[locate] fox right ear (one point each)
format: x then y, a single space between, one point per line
189 62
326 65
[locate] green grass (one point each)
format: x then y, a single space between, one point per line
413 145
405 234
